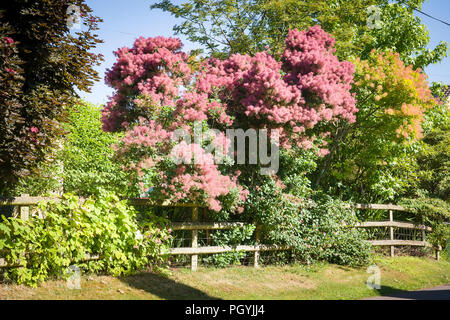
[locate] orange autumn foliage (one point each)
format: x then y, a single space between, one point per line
394 93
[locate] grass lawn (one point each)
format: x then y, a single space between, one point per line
321 281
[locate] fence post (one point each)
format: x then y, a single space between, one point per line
208 234
438 251
24 210
391 230
256 253
194 240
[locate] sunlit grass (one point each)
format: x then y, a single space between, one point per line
319 281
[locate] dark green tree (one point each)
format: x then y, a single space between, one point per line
42 62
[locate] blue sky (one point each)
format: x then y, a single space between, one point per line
123 21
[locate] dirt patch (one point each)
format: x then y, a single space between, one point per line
289 283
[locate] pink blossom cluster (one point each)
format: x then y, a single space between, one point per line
309 85
8 40
202 180
196 177
194 106
146 134
312 68
191 153
153 69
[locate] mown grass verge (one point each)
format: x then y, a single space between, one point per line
319 281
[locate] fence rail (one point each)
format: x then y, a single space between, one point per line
206 225
219 249
25 201
396 224
379 207
391 224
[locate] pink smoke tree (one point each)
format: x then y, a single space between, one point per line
159 90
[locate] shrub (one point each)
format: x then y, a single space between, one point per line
84 165
318 229
71 230
331 227
293 98
235 236
434 212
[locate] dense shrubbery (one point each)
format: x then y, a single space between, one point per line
236 236
101 225
83 164
331 226
435 213
428 191
319 228
296 98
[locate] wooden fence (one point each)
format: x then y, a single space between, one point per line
391 224
24 202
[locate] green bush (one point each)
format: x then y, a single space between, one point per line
71 230
235 236
318 229
439 236
87 154
434 212
331 228
84 164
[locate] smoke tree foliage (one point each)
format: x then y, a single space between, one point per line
350 170
41 64
293 98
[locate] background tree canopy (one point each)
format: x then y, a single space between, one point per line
84 164
248 26
368 160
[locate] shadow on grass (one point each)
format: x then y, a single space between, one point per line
391 293
164 287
